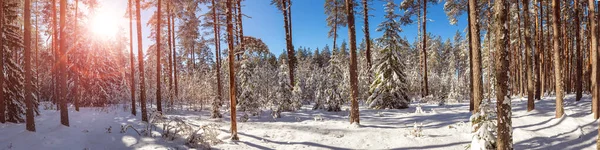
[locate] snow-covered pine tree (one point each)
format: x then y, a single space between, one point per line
247 101
14 81
484 128
283 91
335 84
389 88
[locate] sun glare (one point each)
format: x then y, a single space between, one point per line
104 24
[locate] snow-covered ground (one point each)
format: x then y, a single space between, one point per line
443 127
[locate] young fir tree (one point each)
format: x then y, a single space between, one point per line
484 128
389 88
283 92
247 99
335 84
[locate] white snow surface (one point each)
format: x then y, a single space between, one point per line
447 129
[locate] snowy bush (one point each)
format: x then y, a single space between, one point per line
484 128
244 118
204 139
418 110
318 117
417 130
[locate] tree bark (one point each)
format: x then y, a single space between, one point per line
557 65
241 27
217 103
28 72
2 99
367 36
504 140
425 90
131 58
593 57
529 73
64 112
579 71
288 33
141 61
538 51
476 69
471 102
169 53
232 97
158 70
354 113
175 63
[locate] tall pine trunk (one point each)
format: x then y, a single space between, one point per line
529 69
476 69
158 70
2 99
169 53
424 84
471 103
557 73
593 57
175 63
367 36
579 70
504 140
288 38
232 97
217 103
354 113
28 72
64 112
141 61
538 50
133 110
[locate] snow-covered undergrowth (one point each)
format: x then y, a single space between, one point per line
448 128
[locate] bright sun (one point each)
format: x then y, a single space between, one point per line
104 24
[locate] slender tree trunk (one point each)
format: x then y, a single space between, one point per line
593 57
232 97
518 54
158 70
557 72
504 140
354 113
366 30
545 51
579 56
141 61
175 63
241 27
425 90
477 83
64 112
28 72
288 32
528 49
2 99
55 96
169 53
335 23
133 110
75 74
217 103
471 92
538 51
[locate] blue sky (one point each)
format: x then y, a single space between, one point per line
309 25
310 28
